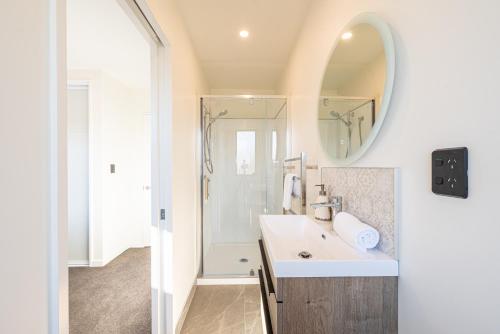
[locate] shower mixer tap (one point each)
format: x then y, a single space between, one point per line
335 204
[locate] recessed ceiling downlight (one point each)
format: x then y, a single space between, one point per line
244 33
347 35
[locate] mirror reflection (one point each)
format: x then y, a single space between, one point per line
352 91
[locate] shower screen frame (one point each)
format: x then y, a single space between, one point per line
204 180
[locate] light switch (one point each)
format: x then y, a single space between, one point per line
438 162
438 180
449 172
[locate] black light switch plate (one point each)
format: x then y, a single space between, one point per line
449 172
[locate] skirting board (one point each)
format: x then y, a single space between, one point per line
97 263
105 262
185 310
78 263
228 281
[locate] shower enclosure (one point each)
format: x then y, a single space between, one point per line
244 144
345 123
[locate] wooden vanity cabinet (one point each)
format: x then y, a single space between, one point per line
314 305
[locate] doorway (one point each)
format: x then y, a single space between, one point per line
115 235
78 175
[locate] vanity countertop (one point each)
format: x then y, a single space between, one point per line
285 236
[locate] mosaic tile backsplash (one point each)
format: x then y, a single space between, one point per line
369 194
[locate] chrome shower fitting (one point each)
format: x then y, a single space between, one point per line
360 120
208 137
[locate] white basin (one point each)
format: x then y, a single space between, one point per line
285 236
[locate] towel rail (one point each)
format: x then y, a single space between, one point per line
295 159
307 167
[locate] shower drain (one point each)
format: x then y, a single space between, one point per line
243 260
305 255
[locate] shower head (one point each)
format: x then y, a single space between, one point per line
209 114
222 113
334 114
338 117
219 115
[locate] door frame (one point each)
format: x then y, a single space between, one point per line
161 168
89 86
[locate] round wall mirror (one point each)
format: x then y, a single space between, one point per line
356 89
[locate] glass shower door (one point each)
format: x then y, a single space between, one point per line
239 177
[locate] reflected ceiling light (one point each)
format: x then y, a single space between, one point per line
347 35
244 33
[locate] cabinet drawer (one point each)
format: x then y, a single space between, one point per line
272 308
274 313
265 305
270 280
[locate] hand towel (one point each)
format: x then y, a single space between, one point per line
288 185
297 187
357 234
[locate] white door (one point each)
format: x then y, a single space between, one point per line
147 181
78 175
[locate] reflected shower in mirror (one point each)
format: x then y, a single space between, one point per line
344 123
354 87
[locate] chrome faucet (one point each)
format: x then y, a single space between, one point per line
335 204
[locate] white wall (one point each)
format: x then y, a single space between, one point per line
187 84
124 214
369 82
26 215
445 86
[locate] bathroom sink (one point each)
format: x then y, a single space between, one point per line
297 246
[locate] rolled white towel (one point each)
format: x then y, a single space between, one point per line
357 234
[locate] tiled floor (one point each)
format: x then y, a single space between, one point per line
224 309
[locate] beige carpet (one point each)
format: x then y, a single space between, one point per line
115 299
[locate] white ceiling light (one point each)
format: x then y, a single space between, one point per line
244 33
347 35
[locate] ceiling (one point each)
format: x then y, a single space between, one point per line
101 37
230 62
352 56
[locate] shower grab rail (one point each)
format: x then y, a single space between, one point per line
303 180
